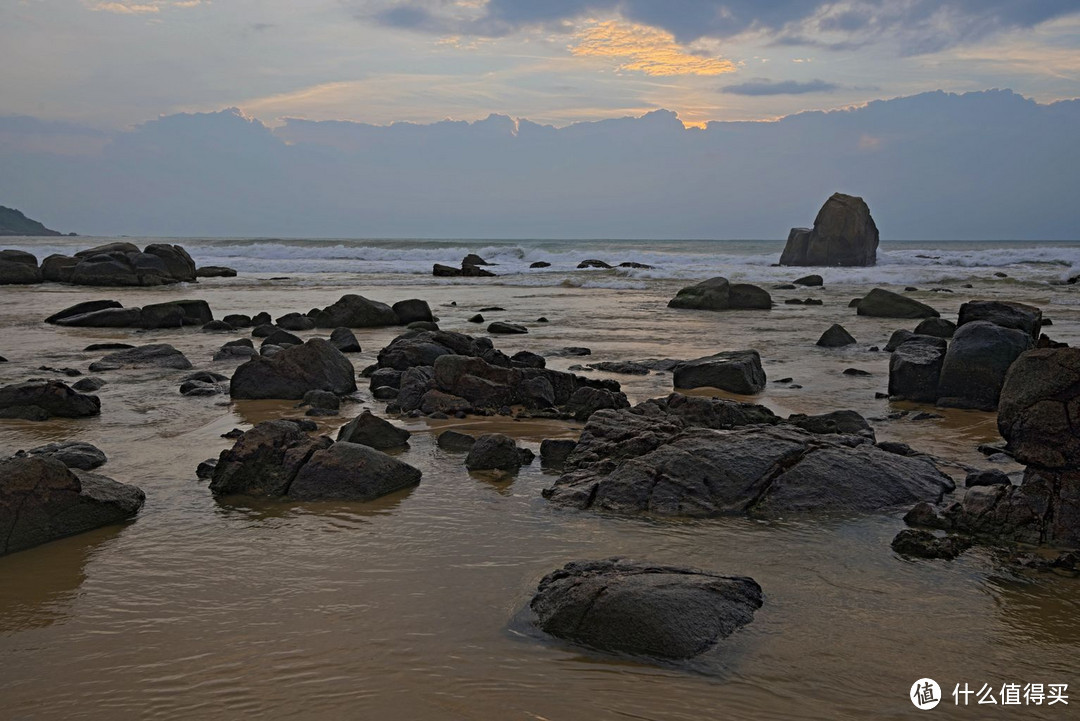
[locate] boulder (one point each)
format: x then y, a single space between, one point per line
264 460
356 311
937 327
160 315
238 320
42 500
732 371
40 400
88 384
494 452
923 544
424 347
811 281
58 268
17 267
622 606
844 234
1018 316
368 429
743 296
630 466
527 359
321 399
294 321
469 271
289 374
119 246
214 271
218 326
73 454
107 318
455 442
711 294
554 451
586 401
236 349
986 477
178 263
593 263
975 365
915 368
473 259
411 311
121 268
344 340
540 264
351 472
156 355
506 328
282 338
836 337
88 306
263 330
880 303
836 422
1039 408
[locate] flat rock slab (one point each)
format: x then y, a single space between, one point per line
664 612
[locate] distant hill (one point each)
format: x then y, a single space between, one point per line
13 222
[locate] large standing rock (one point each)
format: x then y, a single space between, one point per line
732 371
622 606
177 261
1019 316
314 365
17 267
915 368
39 400
42 500
368 429
156 355
352 472
843 234
1039 410
976 363
265 460
880 303
356 311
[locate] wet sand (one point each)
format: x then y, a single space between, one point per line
403 608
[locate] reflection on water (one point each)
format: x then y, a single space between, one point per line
403 608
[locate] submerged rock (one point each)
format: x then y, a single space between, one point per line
622 606
156 355
73 454
455 441
40 400
495 452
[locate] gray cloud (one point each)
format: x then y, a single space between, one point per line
763 86
920 26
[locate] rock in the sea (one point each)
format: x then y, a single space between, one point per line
718 294
937 327
540 264
732 371
412 310
923 544
646 463
975 365
344 340
368 429
664 612
356 311
294 321
178 263
58 268
265 460
843 234
289 374
214 271
836 337
880 303
282 338
837 422
40 400
42 500
811 281
554 451
915 368
73 454
88 306
593 263
506 328
88 384
586 401
17 267
455 441
468 271
1039 408
353 472
494 452
156 355
1018 316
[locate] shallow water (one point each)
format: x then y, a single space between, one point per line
404 608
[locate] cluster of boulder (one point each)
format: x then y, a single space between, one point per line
113 264
1039 417
844 234
969 370
471 267
441 372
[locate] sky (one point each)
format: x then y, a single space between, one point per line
116 63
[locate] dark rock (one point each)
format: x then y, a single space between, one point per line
476 318
82 308
352 472
156 355
282 338
73 454
527 359
784 286
554 451
843 234
422 325
923 544
42 500
294 321
321 399
423 348
836 422
261 318
623 367
813 301
633 264
540 264
915 368
586 401
743 296
178 263
236 349
1039 410
468 271
58 268
200 388
88 384
711 294
593 263
384 393
856 372
344 340
356 311
880 303
265 460
621 606
987 477
368 429
214 271
572 351
218 325
263 330
1018 316
810 281
506 328
474 259
494 452
927 515
410 311
937 327
455 442
732 371
238 320
17 267
114 247
835 337
976 363
39 400
314 365
205 470
205 377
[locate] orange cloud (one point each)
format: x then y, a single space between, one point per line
644 49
